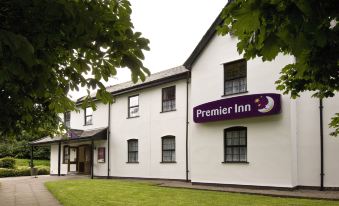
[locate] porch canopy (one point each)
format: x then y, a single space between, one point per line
72 135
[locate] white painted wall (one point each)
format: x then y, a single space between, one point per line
100 169
100 118
148 129
269 138
309 142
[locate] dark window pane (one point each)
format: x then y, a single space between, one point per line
235 145
235 77
132 150
133 106
168 99
168 149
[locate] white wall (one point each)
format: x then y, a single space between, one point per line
100 118
148 129
309 142
269 138
100 169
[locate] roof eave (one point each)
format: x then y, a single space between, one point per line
145 85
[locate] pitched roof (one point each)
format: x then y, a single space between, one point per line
158 78
74 135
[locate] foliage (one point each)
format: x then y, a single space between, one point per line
119 192
306 29
10 167
46 48
37 163
7 162
20 148
22 171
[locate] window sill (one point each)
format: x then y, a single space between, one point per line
168 111
88 124
132 117
132 162
171 162
240 162
228 95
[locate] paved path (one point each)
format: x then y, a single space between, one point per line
297 193
28 191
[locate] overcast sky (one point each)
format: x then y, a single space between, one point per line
174 28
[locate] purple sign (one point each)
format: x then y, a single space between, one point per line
238 107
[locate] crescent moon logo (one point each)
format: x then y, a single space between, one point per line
269 106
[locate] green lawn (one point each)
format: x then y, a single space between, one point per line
25 162
123 192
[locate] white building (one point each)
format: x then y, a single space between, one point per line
216 120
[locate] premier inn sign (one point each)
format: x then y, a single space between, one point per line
238 107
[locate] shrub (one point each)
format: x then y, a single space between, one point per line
4 172
22 171
43 170
7 162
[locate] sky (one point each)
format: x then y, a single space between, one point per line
174 28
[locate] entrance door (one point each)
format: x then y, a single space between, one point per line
84 163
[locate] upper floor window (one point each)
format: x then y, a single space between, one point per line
235 77
133 106
168 99
67 119
88 116
235 142
168 149
132 150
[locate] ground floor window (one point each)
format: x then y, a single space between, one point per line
168 149
65 158
235 143
132 150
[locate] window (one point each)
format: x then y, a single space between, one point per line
67 119
101 155
168 99
235 77
133 106
88 116
65 158
132 150
168 149
235 142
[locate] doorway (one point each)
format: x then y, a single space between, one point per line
84 160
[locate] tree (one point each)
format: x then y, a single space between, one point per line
46 47
306 29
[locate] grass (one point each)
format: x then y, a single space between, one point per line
25 162
122 192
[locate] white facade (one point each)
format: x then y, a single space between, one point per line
283 150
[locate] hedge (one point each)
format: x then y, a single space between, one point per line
7 162
22 171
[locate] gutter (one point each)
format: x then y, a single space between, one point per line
321 145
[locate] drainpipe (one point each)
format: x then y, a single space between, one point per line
92 158
59 158
321 145
108 139
187 82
